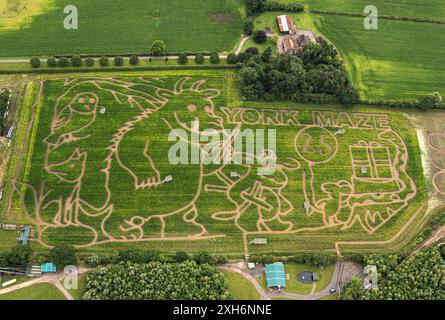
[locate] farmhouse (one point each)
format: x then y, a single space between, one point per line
286 25
295 44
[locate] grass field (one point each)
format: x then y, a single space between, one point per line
240 287
42 291
79 292
117 27
94 179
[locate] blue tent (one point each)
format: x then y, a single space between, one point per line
24 235
49 267
275 275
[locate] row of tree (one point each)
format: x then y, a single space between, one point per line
418 277
199 58
20 256
259 6
318 75
156 281
77 61
5 97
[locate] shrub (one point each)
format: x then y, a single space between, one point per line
183 59
16 256
118 61
63 256
138 256
51 62
249 26
431 101
252 51
267 54
259 36
134 60
232 58
199 58
349 96
181 256
63 62
104 61
214 58
89 62
203 258
35 62
76 61
96 260
157 47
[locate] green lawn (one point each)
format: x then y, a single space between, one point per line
117 27
389 63
78 293
8 239
409 8
240 287
43 291
261 46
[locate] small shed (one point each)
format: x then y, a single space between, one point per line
251 265
48 267
24 235
275 275
315 276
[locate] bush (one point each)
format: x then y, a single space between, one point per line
134 60
214 58
96 260
157 47
63 62
89 62
183 59
35 62
16 257
232 58
204 258
51 62
349 96
118 61
104 61
267 54
431 101
63 256
253 51
259 36
138 256
199 58
181 256
249 26
76 61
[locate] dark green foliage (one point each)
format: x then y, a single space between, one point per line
354 290
438 220
349 96
203 258
258 6
199 59
156 281
35 62
89 62
104 61
63 62
267 55
118 61
418 277
214 58
183 59
259 36
328 79
16 256
5 96
232 58
63 256
314 258
431 101
253 51
96 260
157 47
181 256
76 61
51 62
249 26
134 60
138 256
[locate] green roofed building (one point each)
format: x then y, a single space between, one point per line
48 267
275 275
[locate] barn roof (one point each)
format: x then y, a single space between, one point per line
275 275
